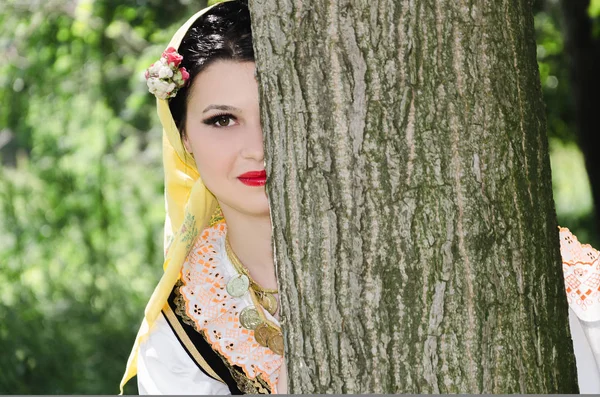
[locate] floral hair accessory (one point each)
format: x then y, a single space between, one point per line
164 77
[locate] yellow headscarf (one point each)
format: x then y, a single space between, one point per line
189 207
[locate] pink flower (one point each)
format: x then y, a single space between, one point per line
172 56
185 75
164 78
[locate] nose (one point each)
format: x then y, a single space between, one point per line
253 146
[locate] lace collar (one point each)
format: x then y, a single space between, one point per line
215 313
581 269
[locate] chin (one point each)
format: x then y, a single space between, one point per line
258 205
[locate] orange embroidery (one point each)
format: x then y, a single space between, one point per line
215 313
581 270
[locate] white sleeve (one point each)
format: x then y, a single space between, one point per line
164 367
586 345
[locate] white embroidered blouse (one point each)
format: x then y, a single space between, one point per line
164 367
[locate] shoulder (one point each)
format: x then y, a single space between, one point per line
164 367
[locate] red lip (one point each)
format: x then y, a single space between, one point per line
254 178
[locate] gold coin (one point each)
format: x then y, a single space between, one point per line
269 302
275 342
261 334
238 286
249 318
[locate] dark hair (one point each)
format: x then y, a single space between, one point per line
222 33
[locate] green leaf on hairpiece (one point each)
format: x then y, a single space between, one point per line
213 2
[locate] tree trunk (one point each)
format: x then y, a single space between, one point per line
583 48
414 226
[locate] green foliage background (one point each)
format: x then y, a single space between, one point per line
81 194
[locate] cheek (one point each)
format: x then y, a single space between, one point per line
215 160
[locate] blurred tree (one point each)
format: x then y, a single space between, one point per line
572 192
581 19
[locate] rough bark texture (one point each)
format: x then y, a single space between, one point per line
583 49
414 227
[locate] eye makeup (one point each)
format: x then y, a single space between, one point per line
220 120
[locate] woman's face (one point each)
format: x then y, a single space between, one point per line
223 131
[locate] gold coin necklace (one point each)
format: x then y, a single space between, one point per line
266 333
240 283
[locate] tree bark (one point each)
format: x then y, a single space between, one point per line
414 228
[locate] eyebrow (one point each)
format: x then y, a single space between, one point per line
221 107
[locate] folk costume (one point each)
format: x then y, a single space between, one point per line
581 270
209 329
208 340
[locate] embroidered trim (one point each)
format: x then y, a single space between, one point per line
242 383
214 313
188 230
581 270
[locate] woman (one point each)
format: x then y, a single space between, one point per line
218 332
208 106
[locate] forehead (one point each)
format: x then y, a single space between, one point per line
225 82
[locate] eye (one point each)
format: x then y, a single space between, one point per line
221 120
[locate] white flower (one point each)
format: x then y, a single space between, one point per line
160 88
165 73
171 87
155 68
